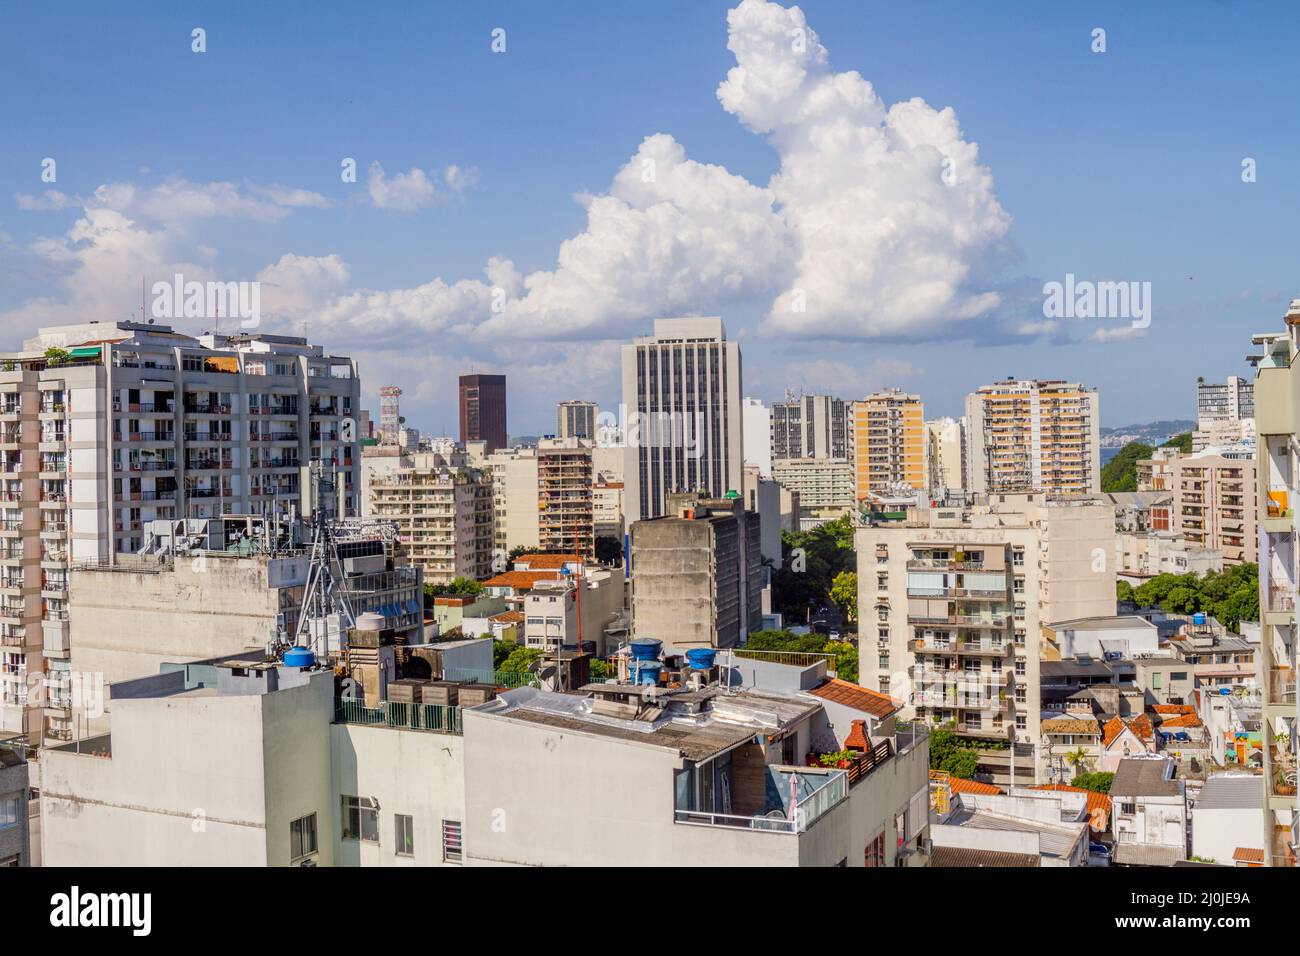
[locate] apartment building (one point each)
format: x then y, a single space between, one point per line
697 573
15 813
812 426
105 427
607 508
1215 504
951 603
699 777
681 389
1277 394
945 455
565 511
566 612
1033 436
443 517
483 411
889 443
516 521
576 419
756 429
824 485
1225 412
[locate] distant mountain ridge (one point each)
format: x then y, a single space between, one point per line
1151 433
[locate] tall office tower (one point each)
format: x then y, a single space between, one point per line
1033 436
107 426
945 452
1277 392
564 500
812 426
1225 414
483 410
681 389
576 419
889 442
951 601
757 433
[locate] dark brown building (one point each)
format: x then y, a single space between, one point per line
483 410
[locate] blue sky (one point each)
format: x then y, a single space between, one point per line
1124 165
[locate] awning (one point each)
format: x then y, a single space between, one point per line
84 351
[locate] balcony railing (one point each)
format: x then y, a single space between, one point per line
430 717
809 808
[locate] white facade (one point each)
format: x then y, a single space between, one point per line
757 419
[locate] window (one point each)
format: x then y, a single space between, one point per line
360 819
302 837
1128 808
404 834
451 845
9 809
875 855
1178 676
1021 722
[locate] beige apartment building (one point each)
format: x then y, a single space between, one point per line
1033 436
565 513
514 499
107 426
1215 505
822 484
889 441
951 603
945 454
1277 421
443 516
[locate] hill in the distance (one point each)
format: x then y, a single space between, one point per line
1152 433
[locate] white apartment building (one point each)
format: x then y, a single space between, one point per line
756 421
682 387
945 452
553 618
1033 436
820 483
1277 400
443 517
951 603
105 427
1215 504
514 500
1225 412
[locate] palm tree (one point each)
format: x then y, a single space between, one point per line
1078 760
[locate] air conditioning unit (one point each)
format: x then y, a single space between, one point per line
310 861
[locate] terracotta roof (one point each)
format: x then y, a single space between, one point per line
1181 720
1140 725
540 562
1248 854
1173 708
520 580
959 785
508 617
1070 725
1096 802
859 698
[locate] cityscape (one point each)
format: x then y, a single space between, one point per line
769 526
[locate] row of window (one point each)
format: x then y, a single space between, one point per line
360 817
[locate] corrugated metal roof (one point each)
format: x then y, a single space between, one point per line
1232 792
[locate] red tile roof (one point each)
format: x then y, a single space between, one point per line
1181 720
508 617
1096 802
540 562
859 698
520 580
958 785
1140 725
1173 708
1248 854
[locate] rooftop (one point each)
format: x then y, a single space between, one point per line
1232 791
956 856
859 698
1139 777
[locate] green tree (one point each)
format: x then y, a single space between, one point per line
520 659
844 592
1123 591
1098 781
462 587
55 357
961 763
599 670
1120 473
1182 442
846 659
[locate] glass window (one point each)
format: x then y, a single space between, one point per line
404 834
360 820
451 842
302 837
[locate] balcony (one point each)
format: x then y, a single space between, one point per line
816 792
981 648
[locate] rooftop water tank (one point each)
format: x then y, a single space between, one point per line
1199 618
370 621
646 649
299 657
647 672
701 658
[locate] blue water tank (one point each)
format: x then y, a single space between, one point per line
1225 691
647 672
646 649
701 658
299 657
1199 618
